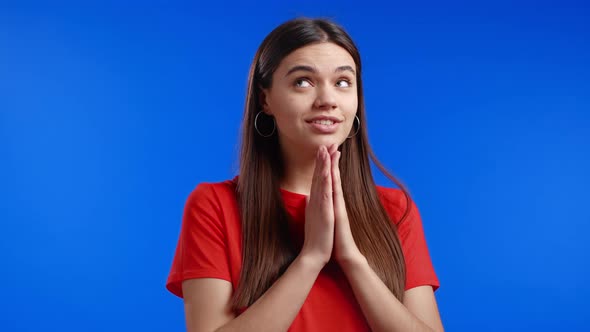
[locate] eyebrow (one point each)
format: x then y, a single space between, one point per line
310 69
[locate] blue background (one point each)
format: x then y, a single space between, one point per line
110 114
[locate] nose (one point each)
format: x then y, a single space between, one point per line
325 99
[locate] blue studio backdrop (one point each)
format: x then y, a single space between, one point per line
111 113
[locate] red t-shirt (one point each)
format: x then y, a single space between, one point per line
209 246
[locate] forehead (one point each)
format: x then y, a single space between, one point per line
323 56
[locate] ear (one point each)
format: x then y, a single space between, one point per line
263 99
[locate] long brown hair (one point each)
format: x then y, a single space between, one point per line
266 246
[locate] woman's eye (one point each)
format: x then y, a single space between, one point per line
302 83
343 84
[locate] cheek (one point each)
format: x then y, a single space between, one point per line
351 110
300 101
292 107
287 111
351 106
349 98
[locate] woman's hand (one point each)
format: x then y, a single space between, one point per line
346 251
319 212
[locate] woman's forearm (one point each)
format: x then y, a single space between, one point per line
276 309
383 311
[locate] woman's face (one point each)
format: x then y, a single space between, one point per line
313 97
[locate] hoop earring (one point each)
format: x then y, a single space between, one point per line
357 128
274 126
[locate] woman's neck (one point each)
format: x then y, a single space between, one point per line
298 171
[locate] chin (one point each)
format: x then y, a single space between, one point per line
326 141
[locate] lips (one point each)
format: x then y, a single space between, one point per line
324 124
324 119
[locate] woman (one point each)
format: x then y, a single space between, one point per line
303 239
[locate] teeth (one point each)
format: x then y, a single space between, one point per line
324 122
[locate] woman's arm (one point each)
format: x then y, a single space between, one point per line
207 301
383 311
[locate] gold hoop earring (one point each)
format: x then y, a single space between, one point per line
357 128
274 125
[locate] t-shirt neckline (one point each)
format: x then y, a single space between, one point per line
291 198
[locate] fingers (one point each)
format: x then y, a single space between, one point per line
335 169
319 212
337 195
316 179
333 148
321 185
326 190
334 157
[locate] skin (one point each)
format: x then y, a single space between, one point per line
297 96
312 160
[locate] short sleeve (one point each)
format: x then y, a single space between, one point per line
201 251
419 267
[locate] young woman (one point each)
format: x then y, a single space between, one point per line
303 239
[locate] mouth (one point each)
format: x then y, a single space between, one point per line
323 122
324 126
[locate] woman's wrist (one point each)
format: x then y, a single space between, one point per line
352 262
312 262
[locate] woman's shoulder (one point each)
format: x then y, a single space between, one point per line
391 196
394 201
221 190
